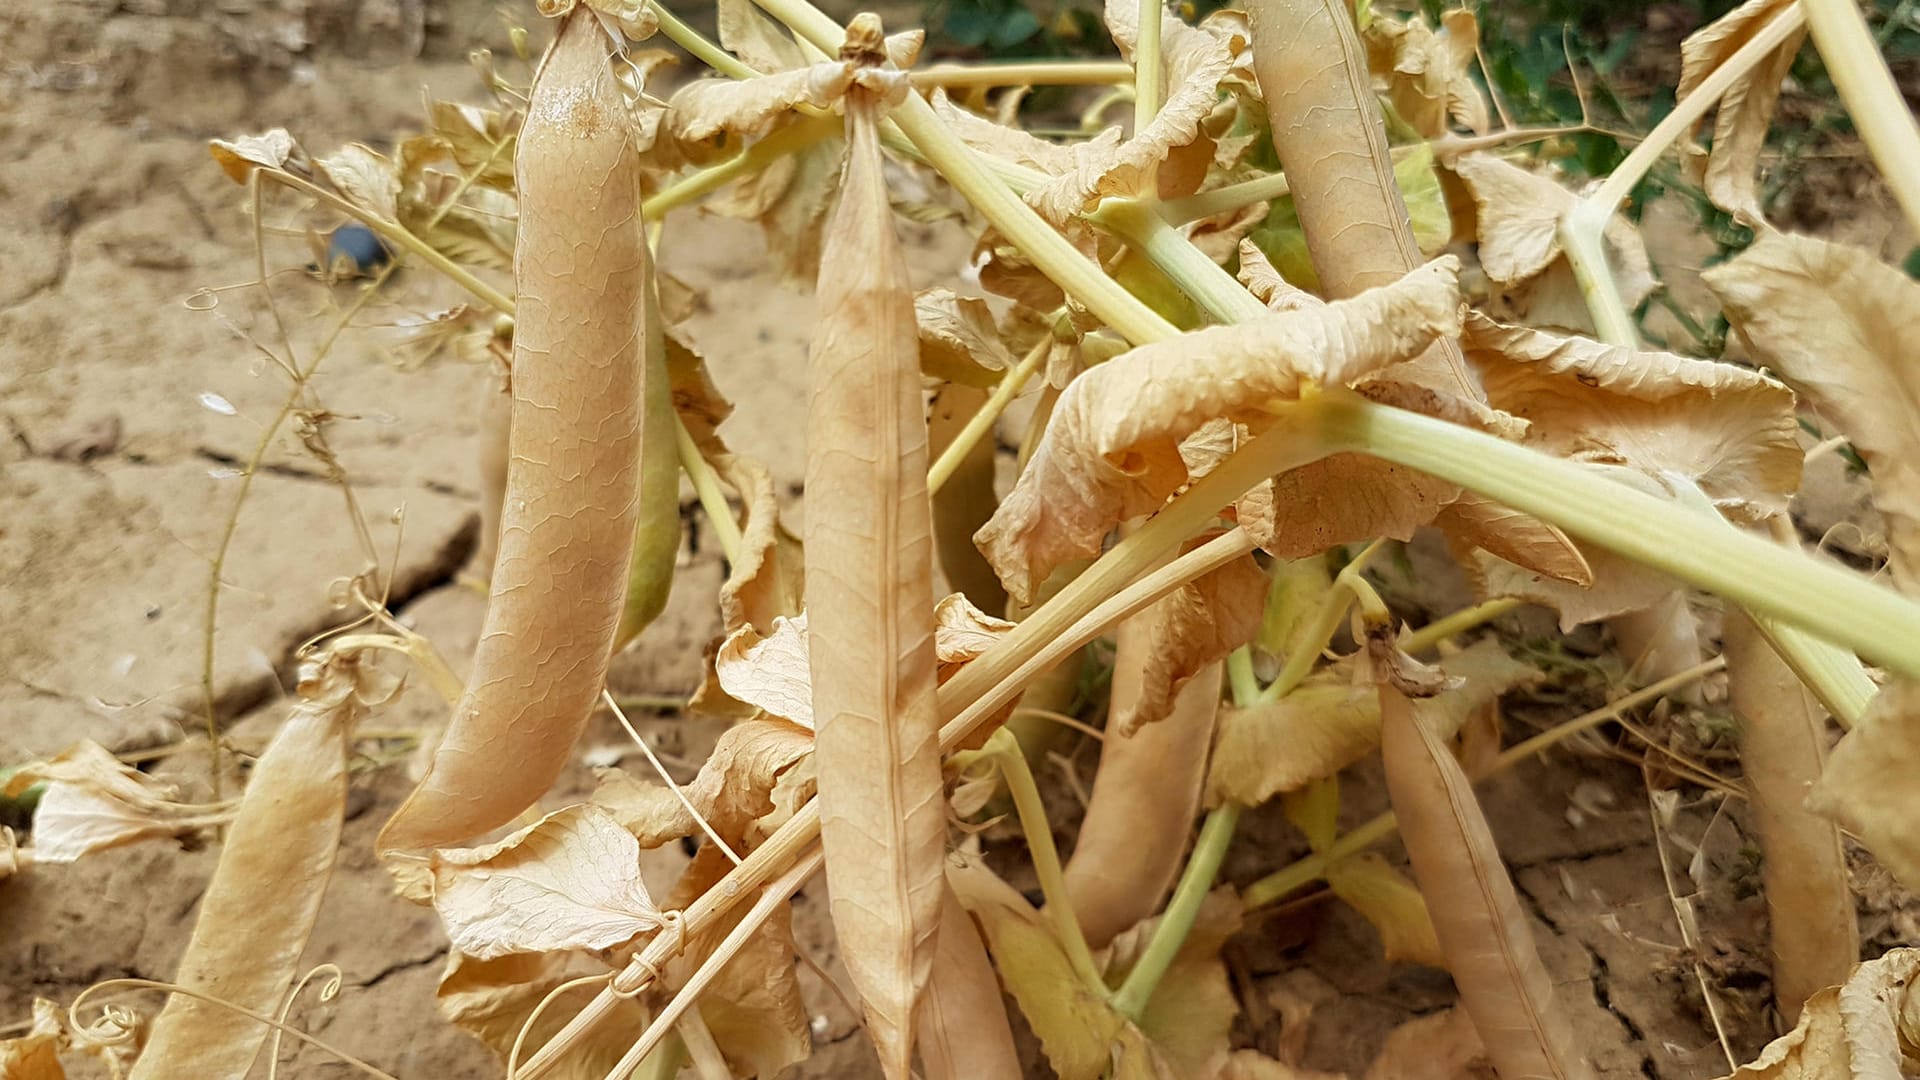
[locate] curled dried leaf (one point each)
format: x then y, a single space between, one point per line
768 574
733 790
36 1054
93 802
1837 324
1745 111
275 149
707 107
1196 625
1429 73
1868 1028
1729 430
1197 60
958 339
1866 785
1519 221
769 671
1112 452
569 881
364 176
493 1000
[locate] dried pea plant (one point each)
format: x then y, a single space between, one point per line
1240 367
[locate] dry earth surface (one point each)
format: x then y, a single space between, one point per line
117 479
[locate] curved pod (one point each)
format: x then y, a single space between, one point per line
567 521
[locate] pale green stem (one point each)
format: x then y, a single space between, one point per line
1279 884
1055 73
1867 89
1815 596
1240 676
982 422
1326 620
1004 751
1051 252
707 486
788 140
1138 222
1147 67
1458 623
1091 117
1205 204
1582 228
703 50
1831 672
1196 881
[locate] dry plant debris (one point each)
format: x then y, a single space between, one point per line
1235 372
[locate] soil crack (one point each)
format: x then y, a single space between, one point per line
405 965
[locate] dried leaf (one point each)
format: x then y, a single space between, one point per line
1868 1028
36 1055
1867 787
569 881
1729 430
764 45
1429 73
275 149
480 140
733 790
1111 451
1519 220
1836 323
1437 1046
869 591
963 632
1745 111
1391 903
769 672
93 802
1010 143
1477 917
1254 1065
367 178
768 575
1190 628
567 528
493 999
265 893
1783 744
1330 722
754 1008
1516 538
1196 60
1619 585
705 108
958 339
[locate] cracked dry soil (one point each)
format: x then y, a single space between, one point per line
116 479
